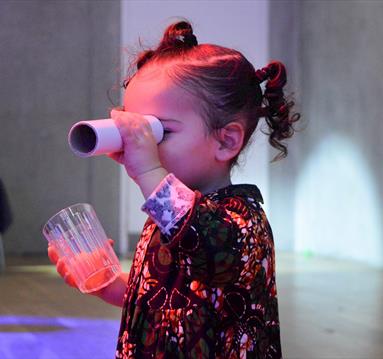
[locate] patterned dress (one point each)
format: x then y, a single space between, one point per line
202 282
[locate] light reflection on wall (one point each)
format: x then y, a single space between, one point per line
337 205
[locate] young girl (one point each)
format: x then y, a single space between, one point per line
202 282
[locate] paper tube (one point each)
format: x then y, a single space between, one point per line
98 137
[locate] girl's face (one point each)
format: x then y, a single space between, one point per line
186 150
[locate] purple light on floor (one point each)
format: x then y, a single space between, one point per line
57 337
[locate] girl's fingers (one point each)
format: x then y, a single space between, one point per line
63 271
52 254
68 278
131 125
111 242
61 268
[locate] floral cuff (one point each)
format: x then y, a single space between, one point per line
168 203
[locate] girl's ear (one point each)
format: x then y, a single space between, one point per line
230 140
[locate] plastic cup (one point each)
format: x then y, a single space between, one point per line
79 239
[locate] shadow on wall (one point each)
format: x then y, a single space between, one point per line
337 204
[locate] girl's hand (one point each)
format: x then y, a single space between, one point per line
140 154
62 268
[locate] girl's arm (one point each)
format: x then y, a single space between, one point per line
149 180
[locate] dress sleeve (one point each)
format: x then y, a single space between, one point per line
170 201
206 235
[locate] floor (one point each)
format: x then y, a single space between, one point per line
329 309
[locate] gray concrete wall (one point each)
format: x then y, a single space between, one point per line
58 60
284 46
327 196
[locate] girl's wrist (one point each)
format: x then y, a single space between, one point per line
148 181
114 292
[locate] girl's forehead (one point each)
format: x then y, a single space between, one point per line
154 88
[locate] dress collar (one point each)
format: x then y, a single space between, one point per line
241 190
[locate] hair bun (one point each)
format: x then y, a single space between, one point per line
181 34
178 36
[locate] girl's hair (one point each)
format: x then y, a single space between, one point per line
226 83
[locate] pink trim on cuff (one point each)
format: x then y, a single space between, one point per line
168 203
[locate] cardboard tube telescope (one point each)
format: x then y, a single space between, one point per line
98 137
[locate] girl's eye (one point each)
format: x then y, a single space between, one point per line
166 132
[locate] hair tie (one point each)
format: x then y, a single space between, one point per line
188 39
262 74
275 72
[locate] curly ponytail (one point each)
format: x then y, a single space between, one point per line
277 108
225 83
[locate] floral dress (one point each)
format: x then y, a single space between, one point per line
202 281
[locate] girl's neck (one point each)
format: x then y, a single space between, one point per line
218 183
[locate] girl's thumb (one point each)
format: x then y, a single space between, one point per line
111 242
